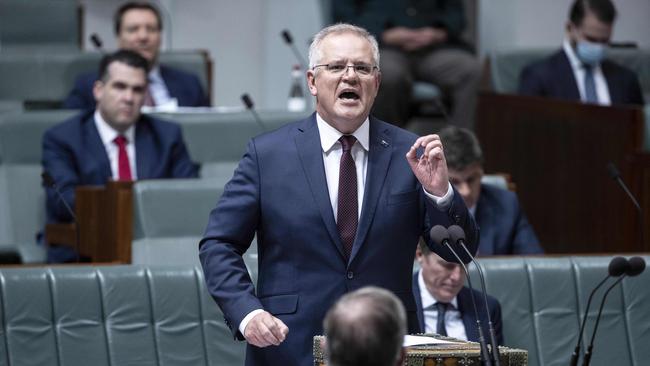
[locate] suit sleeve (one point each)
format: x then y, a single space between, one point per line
230 230
182 165
80 96
456 214
530 83
58 161
525 241
495 315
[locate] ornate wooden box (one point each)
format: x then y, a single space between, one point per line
461 353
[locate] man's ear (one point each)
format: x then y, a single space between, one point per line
311 82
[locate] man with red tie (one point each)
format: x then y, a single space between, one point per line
113 142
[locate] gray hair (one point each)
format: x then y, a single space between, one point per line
365 327
315 53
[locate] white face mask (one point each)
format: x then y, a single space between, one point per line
590 53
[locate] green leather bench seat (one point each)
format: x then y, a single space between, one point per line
543 299
506 66
113 315
50 76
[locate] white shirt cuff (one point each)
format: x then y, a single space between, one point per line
442 203
247 318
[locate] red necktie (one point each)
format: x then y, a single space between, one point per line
123 166
348 206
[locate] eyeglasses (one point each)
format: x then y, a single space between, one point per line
338 69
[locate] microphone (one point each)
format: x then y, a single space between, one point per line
616 175
49 182
457 235
97 42
248 102
636 267
288 39
440 236
617 267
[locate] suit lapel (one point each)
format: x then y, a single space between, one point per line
570 82
418 302
615 92
467 312
95 147
145 156
311 157
378 163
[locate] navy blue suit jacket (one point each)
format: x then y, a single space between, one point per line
504 227
74 155
553 77
279 192
467 312
185 87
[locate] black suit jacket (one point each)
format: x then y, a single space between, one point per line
467 312
553 77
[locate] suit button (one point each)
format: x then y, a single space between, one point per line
350 275
457 218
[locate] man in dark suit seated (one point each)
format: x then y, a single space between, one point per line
337 200
504 228
419 40
138 27
445 305
112 142
579 71
365 327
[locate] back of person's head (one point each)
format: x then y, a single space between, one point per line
604 11
126 57
134 5
461 147
365 327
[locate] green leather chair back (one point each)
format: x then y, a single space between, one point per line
543 299
114 315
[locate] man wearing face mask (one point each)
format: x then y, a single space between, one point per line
579 71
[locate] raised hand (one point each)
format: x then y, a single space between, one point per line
431 167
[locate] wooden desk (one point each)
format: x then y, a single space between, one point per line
557 153
105 218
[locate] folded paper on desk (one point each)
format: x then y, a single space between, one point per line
412 340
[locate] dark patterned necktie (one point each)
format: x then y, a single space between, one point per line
441 328
348 206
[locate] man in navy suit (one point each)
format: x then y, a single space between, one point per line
138 27
113 142
445 305
578 71
504 227
338 201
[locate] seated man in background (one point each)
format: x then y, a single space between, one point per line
138 27
444 305
578 71
365 327
504 228
419 40
112 142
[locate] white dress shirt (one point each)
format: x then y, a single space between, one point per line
107 134
602 91
453 319
332 151
158 89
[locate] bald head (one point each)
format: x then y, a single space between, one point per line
365 327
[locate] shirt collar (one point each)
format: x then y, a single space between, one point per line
329 135
154 74
108 133
428 299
